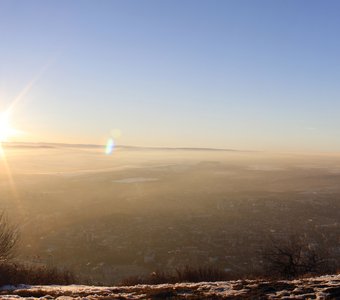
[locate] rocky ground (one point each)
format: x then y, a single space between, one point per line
324 287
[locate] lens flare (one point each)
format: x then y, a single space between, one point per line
110 145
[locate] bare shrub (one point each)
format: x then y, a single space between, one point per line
9 236
294 257
14 273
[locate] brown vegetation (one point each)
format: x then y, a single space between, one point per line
12 273
186 274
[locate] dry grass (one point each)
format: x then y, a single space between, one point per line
12 273
186 274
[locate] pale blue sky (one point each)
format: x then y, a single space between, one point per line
259 75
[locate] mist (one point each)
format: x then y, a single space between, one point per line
142 209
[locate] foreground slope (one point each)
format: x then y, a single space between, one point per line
323 287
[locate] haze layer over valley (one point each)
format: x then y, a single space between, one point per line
142 209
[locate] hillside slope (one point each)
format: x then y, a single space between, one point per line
323 287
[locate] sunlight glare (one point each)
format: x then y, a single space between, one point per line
6 130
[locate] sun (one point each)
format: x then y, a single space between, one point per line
6 130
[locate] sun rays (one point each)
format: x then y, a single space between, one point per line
6 129
7 133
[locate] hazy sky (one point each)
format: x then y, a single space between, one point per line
228 74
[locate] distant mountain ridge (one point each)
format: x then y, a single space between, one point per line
96 146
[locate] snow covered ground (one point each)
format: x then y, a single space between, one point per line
324 287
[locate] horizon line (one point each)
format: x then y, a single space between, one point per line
90 145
